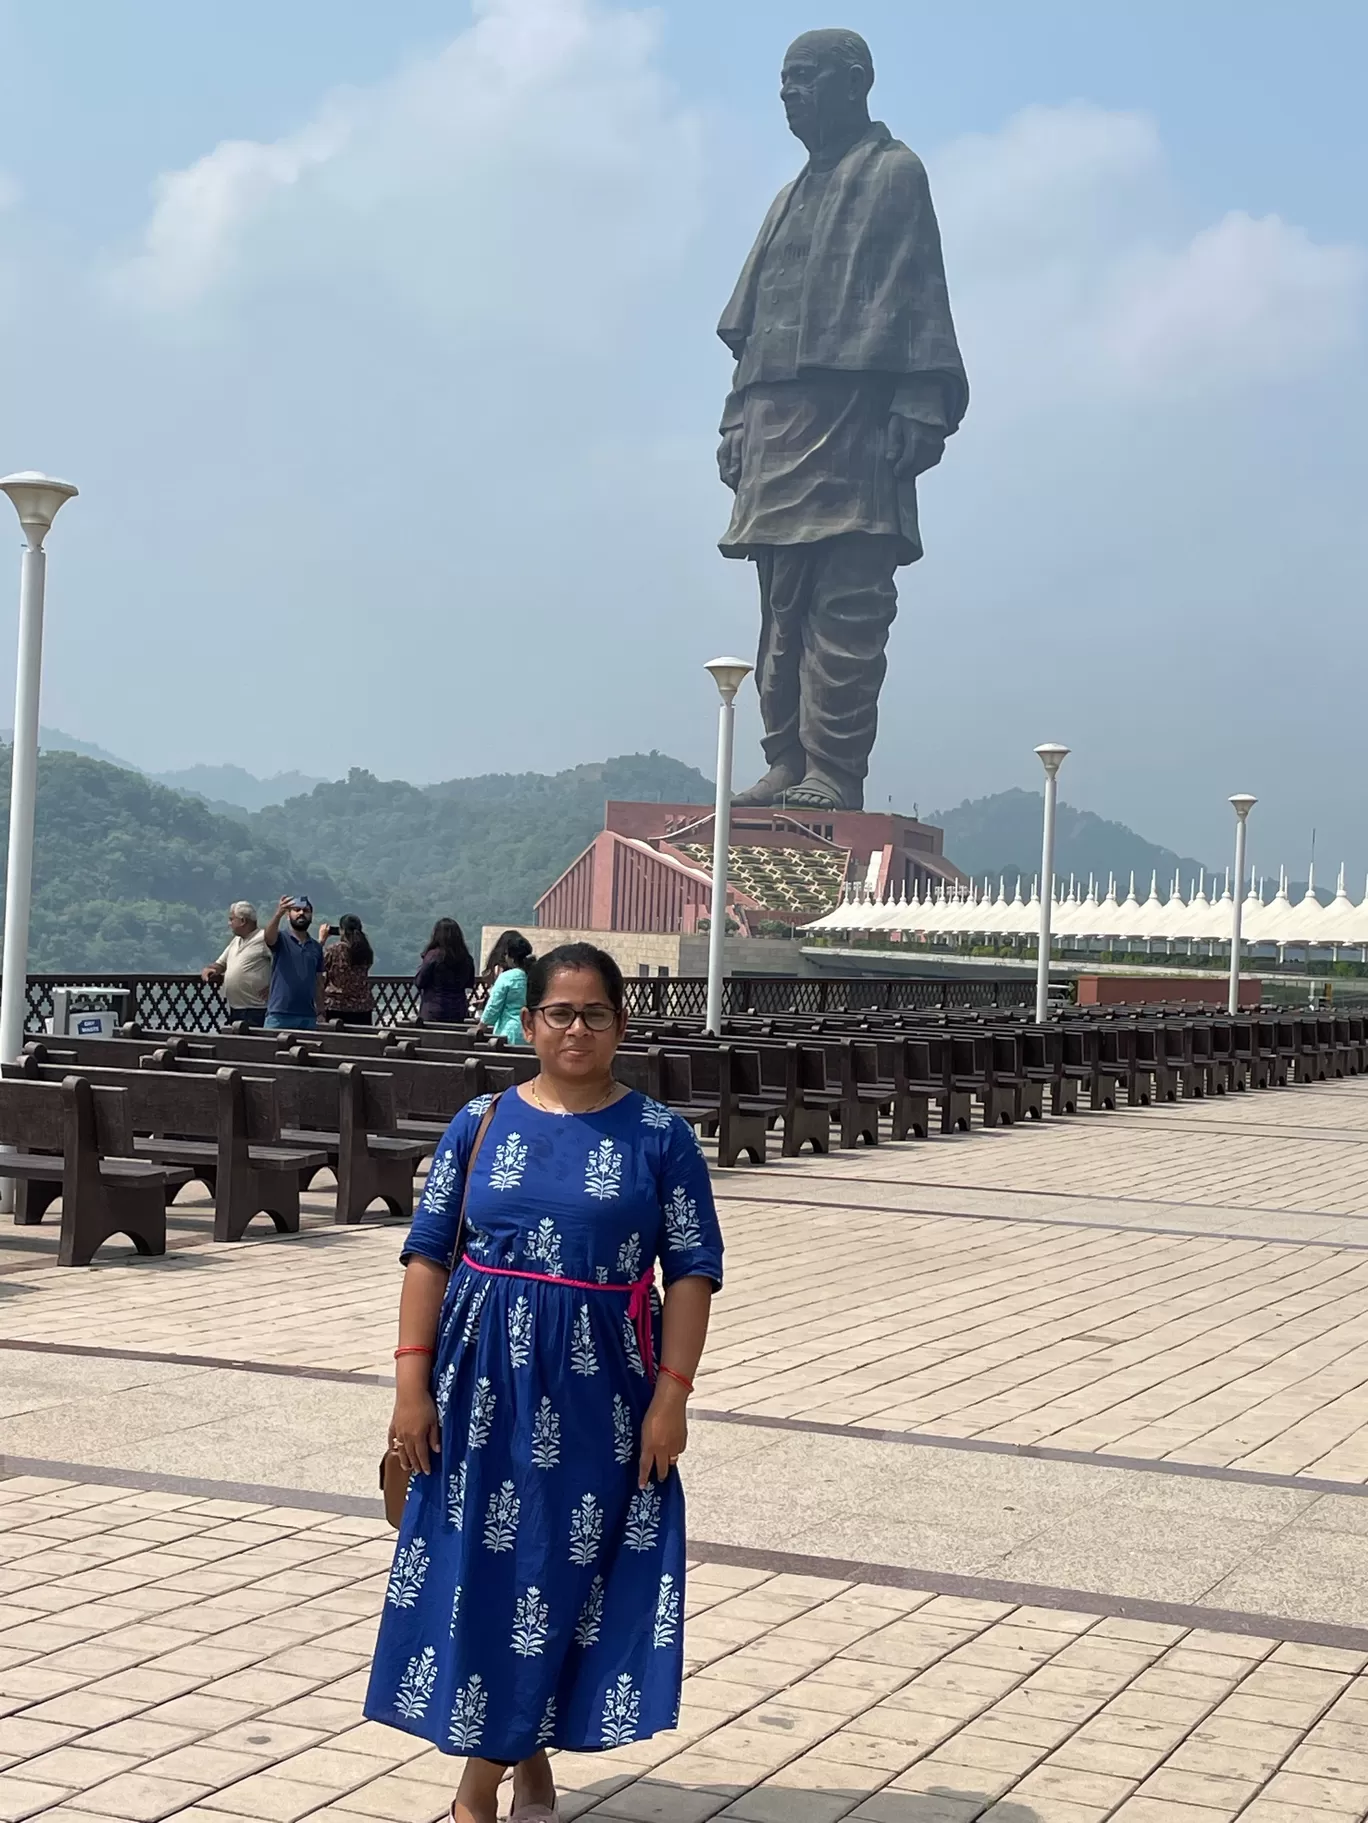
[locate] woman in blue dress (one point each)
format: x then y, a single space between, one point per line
536 1598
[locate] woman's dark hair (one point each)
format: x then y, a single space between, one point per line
571 956
359 952
511 950
449 940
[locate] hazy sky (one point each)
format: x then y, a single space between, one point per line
380 341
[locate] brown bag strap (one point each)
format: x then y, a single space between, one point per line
480 1132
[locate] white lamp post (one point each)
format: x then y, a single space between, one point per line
37 499
728 674
1051 756
1242 804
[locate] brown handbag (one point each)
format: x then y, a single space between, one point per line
394 1477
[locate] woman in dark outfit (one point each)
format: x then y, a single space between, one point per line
445 976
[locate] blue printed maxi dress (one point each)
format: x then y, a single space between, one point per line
536 1597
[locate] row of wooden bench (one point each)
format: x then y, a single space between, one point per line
116 1127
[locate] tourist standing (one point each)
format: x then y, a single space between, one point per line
296 967
347 994
243 972
445 975
507 975
536 1598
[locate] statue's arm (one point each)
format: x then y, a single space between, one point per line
917 425
729 449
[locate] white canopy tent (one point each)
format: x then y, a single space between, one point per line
1085 922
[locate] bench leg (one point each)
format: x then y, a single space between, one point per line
138 1211
859 1122
806 1127
1103 1091
739 1133
956 1112
245 1194
32 1200
911 1116
363 1179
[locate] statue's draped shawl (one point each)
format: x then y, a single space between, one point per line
874 293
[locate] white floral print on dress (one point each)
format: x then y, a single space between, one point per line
468 1715
510 1161
530 1620
406 1578
603 1173
417 1684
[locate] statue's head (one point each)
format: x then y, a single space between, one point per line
825 84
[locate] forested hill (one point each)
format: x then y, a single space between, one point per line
131 875
480 850
127 874
1001 835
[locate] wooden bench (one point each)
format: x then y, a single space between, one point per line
347 1113
224 1129
75 1141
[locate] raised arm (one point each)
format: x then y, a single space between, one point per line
271 934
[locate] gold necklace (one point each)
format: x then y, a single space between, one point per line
565 1112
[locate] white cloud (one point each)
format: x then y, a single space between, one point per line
523 172
1072 275
203 213
1247 297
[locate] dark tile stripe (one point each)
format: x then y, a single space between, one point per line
724 1195
790 1563
1038 1595
983 1446
1086 1196
284 1369
144 1482
1040 1452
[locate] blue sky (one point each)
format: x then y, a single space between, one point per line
380 342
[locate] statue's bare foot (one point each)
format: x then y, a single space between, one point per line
781 778
813 794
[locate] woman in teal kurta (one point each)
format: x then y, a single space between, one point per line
503 1010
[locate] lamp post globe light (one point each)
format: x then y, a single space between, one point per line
1242 804
728 674
37 500
1051 756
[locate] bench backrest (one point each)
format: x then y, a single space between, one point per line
51 1116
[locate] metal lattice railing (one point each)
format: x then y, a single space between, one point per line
184 1003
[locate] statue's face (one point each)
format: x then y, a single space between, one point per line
814 88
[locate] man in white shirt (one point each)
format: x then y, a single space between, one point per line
243 972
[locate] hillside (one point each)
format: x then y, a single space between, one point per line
480 850
127 874
232 789
1001 835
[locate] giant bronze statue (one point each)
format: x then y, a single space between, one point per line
848 381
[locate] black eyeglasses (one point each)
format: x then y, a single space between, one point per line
560 1016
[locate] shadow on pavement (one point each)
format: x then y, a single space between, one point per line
650 1798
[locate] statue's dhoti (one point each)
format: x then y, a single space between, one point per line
825 612
820 511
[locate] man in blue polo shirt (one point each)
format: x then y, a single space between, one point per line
296 967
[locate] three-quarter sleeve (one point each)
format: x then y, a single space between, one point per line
438 1215
492 1011
693 1236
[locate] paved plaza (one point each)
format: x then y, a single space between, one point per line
1028 1481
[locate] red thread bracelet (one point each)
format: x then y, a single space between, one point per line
683 1379
414 1348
